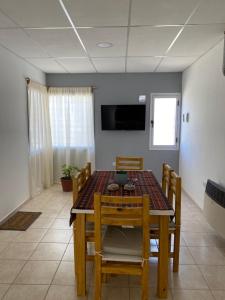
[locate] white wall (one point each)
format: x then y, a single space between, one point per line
202 151
14 185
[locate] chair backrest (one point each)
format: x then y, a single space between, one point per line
118 211
87 171
78 183
166 171
174 195
129 163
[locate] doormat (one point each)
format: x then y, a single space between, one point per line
21 220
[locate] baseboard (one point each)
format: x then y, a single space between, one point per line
191 198
13 211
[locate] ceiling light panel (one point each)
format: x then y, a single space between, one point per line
77 65
196 40
116 36
160 12
175 64
35 13
47 65
18 42
58 42
5 22
98 12
110 65
209 12
142 64
149 41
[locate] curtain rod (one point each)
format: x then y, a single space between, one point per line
28 80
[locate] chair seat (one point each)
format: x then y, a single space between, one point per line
122 244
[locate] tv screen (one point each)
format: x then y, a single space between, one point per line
123 117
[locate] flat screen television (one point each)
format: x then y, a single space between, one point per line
123 117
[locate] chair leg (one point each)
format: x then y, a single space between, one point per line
176 249
98 278
145 273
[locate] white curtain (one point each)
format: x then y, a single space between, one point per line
40 154
72 126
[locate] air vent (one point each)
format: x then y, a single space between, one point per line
216 192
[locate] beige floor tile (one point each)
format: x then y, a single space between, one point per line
3 245
65 274
114 293
26 292
191 294
30 236
9 269
18 251
188 277
203 239
57 236
8 236
61 224
42 222
69 254
219 295
186 257
135 294
37 272
63 292
214 275
49 251
207 256
3 289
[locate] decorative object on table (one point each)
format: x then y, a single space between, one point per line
129 186
113 187
121 177
20 221
67 182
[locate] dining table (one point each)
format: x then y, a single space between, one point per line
160 212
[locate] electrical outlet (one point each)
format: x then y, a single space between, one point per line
113 163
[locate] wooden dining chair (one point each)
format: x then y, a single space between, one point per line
129 163
166 171
87 171
174 197
121 250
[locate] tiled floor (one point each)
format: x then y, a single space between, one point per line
38 264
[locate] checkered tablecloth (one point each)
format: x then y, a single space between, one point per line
144 181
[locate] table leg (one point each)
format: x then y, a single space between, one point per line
163 257
80 255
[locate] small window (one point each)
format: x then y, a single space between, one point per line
164 121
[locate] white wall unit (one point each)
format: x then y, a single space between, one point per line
202 149
14 180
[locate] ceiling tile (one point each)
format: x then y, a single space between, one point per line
47 65
196 40
20 43
77 65
110 65
98 12
175 64
5 22
210 11
160 12
116 36
35 13
142 64
58 42
149 41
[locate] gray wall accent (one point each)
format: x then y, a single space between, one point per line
124 89
14 179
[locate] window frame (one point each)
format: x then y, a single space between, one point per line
178 124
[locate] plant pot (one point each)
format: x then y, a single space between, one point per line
67 184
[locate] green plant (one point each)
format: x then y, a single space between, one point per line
68 171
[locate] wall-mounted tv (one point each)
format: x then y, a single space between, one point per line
123 117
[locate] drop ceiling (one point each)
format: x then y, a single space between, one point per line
61 36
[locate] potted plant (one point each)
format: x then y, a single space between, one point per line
66 180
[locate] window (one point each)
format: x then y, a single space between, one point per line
164 121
